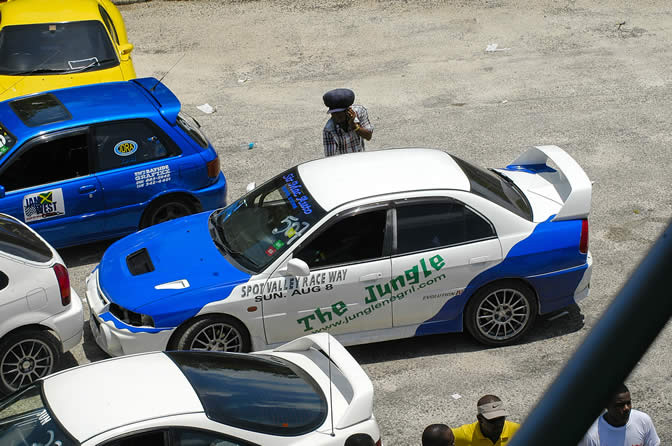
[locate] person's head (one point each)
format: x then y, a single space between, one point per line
491 415
338 101
619 407
360 440
438 435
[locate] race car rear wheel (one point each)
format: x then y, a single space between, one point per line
501 313
214 333
165 210
26 356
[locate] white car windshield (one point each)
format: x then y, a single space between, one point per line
25 421
261 225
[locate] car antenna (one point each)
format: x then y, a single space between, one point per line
331 400
166 73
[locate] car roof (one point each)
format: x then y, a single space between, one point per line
113 393
93 103
18 12
340 179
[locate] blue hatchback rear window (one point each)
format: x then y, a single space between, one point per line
39 110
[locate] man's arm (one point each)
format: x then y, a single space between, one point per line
365 129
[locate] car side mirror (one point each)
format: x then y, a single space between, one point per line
125 51
2 191
297 267
250 187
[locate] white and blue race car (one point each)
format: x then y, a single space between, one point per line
367 246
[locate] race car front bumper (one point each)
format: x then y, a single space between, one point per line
115 337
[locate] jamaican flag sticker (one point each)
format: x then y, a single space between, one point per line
43 205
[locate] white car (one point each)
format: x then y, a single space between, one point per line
308 392
40 314
367 246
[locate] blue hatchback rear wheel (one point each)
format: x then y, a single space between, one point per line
165 210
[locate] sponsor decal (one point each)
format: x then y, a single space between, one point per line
294 286
293 228
452 293
292 191
150 177
270 251
43 205
413 279
278 244
3 149
126 148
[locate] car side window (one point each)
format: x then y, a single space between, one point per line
151 438
424 226
356 238
126 143
4 281
192 437
55 159
108 23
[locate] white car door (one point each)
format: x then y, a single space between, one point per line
348 256
441 245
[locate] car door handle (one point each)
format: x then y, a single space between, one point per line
476 260
372 276
87 189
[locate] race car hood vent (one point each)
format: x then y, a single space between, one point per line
139 262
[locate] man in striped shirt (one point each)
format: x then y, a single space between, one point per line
349 125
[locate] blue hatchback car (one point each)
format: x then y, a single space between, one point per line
101 161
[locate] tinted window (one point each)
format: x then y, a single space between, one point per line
39 110
352 239
17 240
4 280
56 159
270 396
496 188
25 420
126 143
152 438
432 225
264 223
55 48
108 23
184 437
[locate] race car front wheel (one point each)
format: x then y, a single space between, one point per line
26 356
214 333
501 313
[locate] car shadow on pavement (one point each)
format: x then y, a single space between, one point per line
559 323
84 254
92 352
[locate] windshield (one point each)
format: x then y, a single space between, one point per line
25 421
262 224
192 128
496 188
52 48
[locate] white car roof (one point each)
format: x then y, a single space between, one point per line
117 394
340 179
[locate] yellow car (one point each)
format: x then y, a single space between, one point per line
50 44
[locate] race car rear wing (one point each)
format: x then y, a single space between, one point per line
569 180
361 405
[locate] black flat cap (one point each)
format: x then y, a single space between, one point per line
339 99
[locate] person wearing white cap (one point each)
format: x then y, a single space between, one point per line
349 125
492 427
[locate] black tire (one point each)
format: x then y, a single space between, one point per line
26 356
501 313
213 333
166 209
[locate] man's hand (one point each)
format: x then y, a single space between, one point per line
351 116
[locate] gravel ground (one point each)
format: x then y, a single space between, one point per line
591 77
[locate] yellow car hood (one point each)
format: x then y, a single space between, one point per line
13 86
